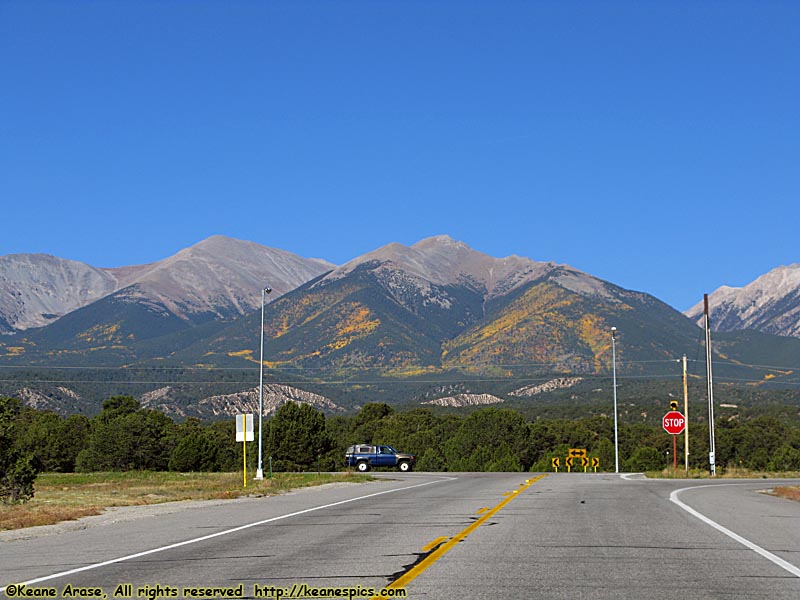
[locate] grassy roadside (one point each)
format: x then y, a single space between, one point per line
784 491
733 473
787 491
69 496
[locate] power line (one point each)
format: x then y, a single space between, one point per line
315 368
291 366
515 380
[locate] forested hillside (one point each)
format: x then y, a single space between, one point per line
125 436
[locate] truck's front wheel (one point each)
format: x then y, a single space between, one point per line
362 466
404 465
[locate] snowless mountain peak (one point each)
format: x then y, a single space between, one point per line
36 289
438 241
219 276
770 304
222 276
441 260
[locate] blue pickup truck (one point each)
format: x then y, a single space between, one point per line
365 456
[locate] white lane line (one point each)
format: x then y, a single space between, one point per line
735 536
219 533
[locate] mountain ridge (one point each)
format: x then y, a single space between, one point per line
770 304
441 260
37 289
218 278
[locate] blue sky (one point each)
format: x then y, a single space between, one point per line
652 144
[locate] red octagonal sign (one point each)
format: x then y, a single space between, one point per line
674 422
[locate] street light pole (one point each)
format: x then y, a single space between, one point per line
614 369
260 471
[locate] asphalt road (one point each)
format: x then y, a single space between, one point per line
440 536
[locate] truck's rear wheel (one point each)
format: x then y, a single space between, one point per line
362 466
404 466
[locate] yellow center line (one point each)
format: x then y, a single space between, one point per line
425 563
430 546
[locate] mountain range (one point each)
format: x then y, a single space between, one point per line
439 304
398 313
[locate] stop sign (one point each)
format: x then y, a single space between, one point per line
674 422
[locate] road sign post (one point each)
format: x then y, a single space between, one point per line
674 452
674 423
244 434
572 455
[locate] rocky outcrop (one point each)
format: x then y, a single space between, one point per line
236 403
462 400
559 383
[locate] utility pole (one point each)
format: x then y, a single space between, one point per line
260 471
711 437
686 414
614 369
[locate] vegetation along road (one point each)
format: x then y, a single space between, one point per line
441 535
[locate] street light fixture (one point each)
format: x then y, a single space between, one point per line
260 471
614 369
